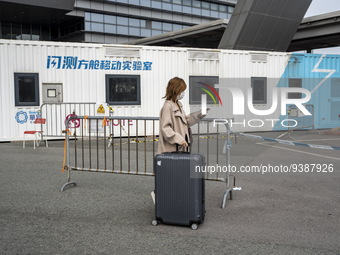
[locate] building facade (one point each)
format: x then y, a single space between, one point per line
104 21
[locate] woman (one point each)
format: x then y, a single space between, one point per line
173 123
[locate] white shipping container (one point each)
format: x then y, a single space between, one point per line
133 79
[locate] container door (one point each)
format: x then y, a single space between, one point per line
335 101
52 92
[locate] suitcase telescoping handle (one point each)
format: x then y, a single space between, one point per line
177 145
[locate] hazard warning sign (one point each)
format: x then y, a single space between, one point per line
101 109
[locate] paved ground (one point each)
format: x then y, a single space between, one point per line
275 213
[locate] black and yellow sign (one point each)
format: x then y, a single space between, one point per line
101 109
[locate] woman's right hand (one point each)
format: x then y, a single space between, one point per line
184 144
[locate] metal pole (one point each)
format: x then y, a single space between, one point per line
67 159
136 146
129 158
227 151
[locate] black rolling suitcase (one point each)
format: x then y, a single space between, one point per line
179 189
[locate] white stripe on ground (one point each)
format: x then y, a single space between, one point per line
304 152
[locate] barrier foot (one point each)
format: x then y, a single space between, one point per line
68 184
225 196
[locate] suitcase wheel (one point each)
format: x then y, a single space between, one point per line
194 226
154 222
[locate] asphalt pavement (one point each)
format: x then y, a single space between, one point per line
274 213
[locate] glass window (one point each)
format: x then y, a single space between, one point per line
16 31
122 21
177 27
230 9
205 13
145 32
5 30
134 22
134 31
27 37
110 28
35 32
196 3
97 17
196 11
122 1
123 89
294 83
177 8
146 3
187 2
122 30
167 7
199 85
177 1
45 33
156 25
26 31
214 14
26 86
259 87
135 2
187 9
167 26
223 8
214 7
87 16
223 15
88 26
110 19
156 4
206 5
97 27
156 32
143 23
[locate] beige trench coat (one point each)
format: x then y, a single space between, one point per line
173 126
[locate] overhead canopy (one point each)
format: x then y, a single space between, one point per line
267 25
316 32
60 4
37 12
207 35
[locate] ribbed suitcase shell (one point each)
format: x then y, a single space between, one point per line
179 196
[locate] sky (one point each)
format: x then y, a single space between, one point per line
318 7
322 6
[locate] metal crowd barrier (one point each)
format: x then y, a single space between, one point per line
128 145
56 114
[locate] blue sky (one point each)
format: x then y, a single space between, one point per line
320 7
